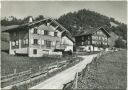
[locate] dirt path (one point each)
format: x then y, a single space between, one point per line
57 81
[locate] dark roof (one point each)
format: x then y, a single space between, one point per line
89 31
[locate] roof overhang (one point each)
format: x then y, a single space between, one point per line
97 29
32 24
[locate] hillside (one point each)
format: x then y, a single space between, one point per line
82 19
4 41
109 72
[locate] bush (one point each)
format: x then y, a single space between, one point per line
119 43
14 88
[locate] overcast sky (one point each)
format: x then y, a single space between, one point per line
20 9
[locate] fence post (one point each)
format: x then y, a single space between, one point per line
39 68
14 71
76 80
57 64
31 70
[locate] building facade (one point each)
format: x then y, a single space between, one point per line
38 38
92 39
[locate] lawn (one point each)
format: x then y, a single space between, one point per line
107 72
23 63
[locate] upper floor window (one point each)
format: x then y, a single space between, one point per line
35 31
15 34
55 33
35 41
46 32
48 43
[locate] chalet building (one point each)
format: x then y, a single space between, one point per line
37 38
92 39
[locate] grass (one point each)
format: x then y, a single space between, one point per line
107 72
22 63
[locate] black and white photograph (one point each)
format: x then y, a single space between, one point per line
64 45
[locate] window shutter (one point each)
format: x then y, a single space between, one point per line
26 41
50 33
32 30
42 42
53 43
59 34
39 41
38 31
42 32
13 43
32 42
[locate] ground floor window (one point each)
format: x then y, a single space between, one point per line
34 51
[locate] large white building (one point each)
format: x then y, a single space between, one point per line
37 38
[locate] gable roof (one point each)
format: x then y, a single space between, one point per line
89 31
34 23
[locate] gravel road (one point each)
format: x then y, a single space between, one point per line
57 81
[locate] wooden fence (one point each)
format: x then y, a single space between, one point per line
74 83
15 78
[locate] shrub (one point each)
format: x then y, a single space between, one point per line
119 43
14 88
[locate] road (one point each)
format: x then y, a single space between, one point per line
57 81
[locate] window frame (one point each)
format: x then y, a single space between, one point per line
34 51
35 31
46 32
35 41
48 43
55 34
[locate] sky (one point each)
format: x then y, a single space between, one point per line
21 9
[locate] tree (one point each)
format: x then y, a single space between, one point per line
40 17
119 43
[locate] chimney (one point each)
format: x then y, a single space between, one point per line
30 19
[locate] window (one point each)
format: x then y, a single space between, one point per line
25 41
35 41
99 38
82 43
15 34
35 31
48 43
13 43
17 43
34 51
57 42
105 38
83 38
46 32
93 42
88 42
55 33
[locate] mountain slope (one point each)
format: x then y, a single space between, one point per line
83 19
